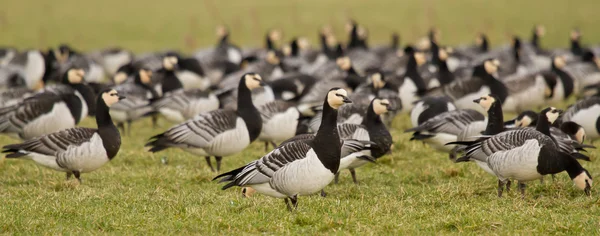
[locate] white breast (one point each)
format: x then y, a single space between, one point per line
57 119
302 177
518 163
191 80
416 112
35 68
86 157
408 94
281 126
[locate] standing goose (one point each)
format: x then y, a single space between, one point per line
46 112
565 85
527 154
371 129
217 133
412 85
300 167
75 150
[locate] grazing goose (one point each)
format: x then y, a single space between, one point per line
429 107
371 129
75 150
6 54
585 113
300 167
532 90
181 105
444 128
47 112
481 83
526 154
217 133
139 94
292 87
279 122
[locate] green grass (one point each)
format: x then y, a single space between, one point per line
415 190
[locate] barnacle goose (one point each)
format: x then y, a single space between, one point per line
139 94
217 133
412 85
533 89
29 67
46 112
526 154
371 129
75 150
181 105
300 167
444 128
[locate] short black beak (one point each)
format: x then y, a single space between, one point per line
121 97
559 111
477 100
347 100
367 158
262 83
462 159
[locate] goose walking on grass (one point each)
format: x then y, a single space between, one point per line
76 150
526 154
299 167
217 133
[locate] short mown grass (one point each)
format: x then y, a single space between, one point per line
414 190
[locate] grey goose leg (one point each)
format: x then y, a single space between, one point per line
154 121
542 180
287 203
522 189
121 126
69 175
508 186
274 145
266 146
353 173
207 158
218 162
323 193
337 177
500 188
553 178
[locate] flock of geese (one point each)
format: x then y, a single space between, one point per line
322 109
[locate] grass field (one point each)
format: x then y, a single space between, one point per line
415 190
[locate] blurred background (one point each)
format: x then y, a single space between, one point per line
189 24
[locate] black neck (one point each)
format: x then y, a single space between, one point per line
566 79
413 74
224 40
484 44
444 74
573 167
535 40
170 81
435 52
327 140
137 80
88 95
378 133
324 46
495 123
248 112
497 87
543 125
111 139
576 47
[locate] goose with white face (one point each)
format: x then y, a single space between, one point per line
75 76
253 81
553 114
381 106
170 62
111 97
337 97
485 102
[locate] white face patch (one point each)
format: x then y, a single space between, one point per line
330 40
597 61
580 135
552 116
525 121
120 77
303 43
272 58
252 81
491 66
221 31
443 54
169 62
540 30
145 76
287 50
335 98
486 102
75 76
575 35
378 82
275 35
420 58
559 62
111 97
344 63
380 106
479 40
580 181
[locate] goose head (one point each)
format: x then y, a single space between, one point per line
170 62
253 80
377 79
74 76
574 130
344 63
336 97
491 66
526 119
584 181
443 53
420 58
551 114
381 106
558 62
110 97
222 31
247 192
272 58
539 30
145 76
575 35
486 101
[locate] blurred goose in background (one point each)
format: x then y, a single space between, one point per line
221 60
111 59
75 150
25 69
296 168
218 133
47 112
279 122
411 85
429 107
585 113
